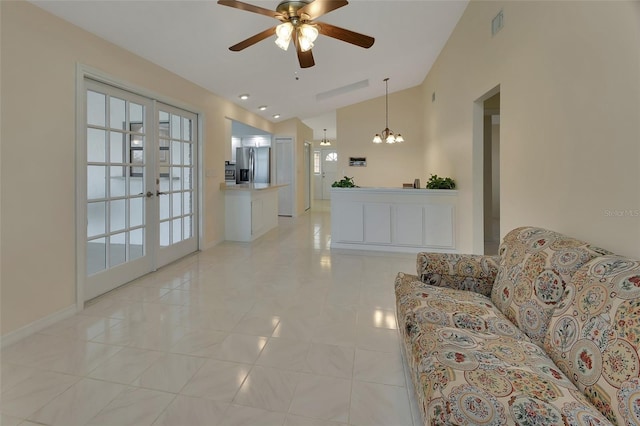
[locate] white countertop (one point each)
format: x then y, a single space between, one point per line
249 186
413 191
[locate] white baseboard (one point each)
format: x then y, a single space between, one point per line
210 244
36 326
364 248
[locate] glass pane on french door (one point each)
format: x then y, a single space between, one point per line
118 156
176 153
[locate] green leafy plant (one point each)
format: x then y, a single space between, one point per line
346 182
437 182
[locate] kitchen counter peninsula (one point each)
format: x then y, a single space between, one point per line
251 210
404 220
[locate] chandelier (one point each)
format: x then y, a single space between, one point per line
325 141
387 135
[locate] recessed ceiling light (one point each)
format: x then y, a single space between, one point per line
244 96
276 115
262 107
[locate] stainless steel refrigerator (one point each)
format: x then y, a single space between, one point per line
253 165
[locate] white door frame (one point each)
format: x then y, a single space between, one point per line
86 72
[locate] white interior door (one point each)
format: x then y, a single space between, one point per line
285 176
317 174
329 171
118 186
176 179
307 175
137 156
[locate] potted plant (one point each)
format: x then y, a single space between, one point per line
346 182
437 182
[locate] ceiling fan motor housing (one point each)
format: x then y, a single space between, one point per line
289 9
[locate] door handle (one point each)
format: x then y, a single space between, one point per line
149 194
158 193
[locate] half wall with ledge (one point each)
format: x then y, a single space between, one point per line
394 219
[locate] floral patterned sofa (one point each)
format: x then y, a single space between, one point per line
545 333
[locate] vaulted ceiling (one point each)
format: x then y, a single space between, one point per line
191 39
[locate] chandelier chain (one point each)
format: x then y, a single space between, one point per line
387 135
386 97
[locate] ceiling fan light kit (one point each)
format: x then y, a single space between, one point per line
387 135
307 34
298 24
283 33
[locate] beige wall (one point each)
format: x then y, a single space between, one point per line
570 101
387 165
39 57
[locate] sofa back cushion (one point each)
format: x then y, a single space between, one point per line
594 336
458 271
535 266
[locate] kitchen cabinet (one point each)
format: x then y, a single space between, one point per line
251 210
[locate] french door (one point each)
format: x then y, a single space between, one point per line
175 178
141 187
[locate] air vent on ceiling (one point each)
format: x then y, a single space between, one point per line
342 90
497 23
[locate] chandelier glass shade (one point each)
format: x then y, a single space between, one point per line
387 135
306 34
325 141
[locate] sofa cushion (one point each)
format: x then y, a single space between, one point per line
594 336
460 271
535 266
419 303
468 372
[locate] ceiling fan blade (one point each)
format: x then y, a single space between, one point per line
317 8
345 35
304 58
253 40
250 8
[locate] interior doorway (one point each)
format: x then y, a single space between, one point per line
491 180
486 172
137 186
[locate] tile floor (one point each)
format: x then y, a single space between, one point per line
281 331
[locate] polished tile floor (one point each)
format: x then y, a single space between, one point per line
281 331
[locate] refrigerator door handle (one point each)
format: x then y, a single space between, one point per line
252 164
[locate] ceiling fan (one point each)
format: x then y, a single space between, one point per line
298 23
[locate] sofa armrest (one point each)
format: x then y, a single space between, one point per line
458 271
